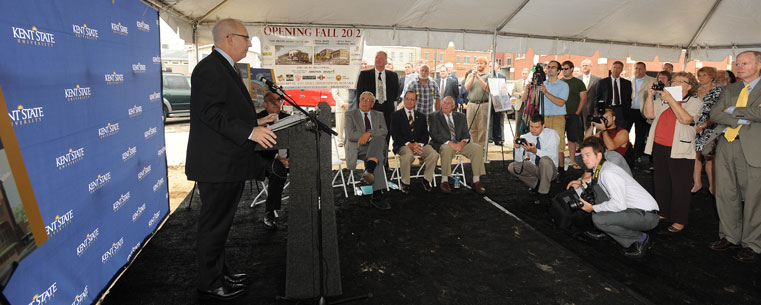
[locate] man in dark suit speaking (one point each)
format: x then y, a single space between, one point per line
450 136
617 94
220 155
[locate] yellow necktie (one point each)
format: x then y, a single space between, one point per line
742 101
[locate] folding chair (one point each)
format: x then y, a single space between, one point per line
419 174
338 161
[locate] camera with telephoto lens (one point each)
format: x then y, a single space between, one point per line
572 199
658 87
520 141
598 116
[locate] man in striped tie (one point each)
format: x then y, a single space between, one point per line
450 136
409 128
737 114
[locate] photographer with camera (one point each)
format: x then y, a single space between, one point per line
629 209
536 157
672 144
614 137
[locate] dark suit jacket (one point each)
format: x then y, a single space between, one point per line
605 93
366 82
222 117
400 129
270 154
439 129
750 134
450 89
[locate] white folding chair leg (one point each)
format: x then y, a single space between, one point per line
343 181
263 193
459 169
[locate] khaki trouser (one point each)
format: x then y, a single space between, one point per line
406 156
472 151
530 174
479 113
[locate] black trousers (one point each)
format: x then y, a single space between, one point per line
218 204
673 180
277 174
497 124
641 129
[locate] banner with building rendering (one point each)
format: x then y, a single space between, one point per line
312 57
82 153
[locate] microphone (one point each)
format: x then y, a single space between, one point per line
266 81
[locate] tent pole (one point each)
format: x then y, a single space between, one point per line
195 40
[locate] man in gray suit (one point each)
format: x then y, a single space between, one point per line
737 114
590 80
366 138
450 136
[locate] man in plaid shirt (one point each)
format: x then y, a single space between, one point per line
427 92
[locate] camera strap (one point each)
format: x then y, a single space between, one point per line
596 175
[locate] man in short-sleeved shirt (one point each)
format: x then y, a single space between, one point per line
555 93
577 98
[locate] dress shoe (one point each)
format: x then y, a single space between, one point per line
721 245
478 188
595 234
542 199
639 248
445 187
747 255
269 220
223 292
368 177
499 143
379 202
405 188
238 278
427 186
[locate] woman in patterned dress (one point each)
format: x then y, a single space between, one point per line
709 93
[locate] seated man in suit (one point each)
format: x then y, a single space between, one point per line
536 157
366 138
410 132
450 136
277 161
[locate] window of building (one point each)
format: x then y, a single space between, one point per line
458 59
466 60
474 59
499 61
509 61
441 57
425 56
520 56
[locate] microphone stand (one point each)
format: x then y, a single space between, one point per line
317 127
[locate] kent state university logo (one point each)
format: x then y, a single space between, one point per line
138 68
150 132
69 158
59 223
99 182
121 201
33 37
161 151
153 219
142 26
138 212
131 152
135 111
108 130
119 29
158 184
84 32
77 93
79 299
25 116
134 248
89 240
157 60
45 296
154 97
114 78
143 173
115 247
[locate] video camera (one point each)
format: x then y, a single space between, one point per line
539 75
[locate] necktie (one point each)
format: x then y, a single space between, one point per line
742 101
381 90
538 147
586 81
451 128
616 101
441 89
367 122
411 119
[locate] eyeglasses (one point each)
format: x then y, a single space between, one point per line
565 69
244 36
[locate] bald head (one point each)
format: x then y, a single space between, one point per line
231 37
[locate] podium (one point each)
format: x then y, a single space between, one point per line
302 277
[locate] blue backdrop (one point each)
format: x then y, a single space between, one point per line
78 77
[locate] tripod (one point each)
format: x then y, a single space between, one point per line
317 128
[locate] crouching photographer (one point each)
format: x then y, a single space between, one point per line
629 209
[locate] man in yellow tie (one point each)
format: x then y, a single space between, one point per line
738 161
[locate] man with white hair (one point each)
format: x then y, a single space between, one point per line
220 155
590 80
427 92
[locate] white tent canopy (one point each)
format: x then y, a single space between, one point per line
707 29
